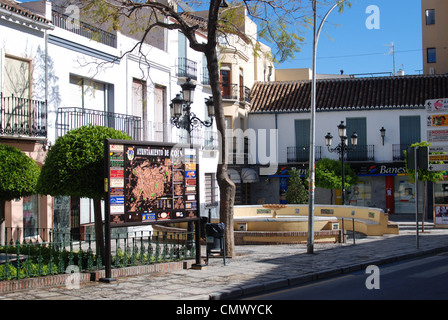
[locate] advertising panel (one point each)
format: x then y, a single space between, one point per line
437 105
151 182
441 214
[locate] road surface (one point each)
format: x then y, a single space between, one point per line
421 278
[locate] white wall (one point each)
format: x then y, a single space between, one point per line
328 121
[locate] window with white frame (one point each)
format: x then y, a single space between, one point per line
211 189
86 93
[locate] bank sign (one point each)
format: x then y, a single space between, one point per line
383 169
367 169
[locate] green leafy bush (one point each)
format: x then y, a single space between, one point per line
75 164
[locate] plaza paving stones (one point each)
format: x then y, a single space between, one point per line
254 269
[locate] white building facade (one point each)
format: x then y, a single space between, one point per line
81 75
365 105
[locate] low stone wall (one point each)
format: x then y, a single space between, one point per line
370 221
83 277
285 237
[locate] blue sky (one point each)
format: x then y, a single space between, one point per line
347 44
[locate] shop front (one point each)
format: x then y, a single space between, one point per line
381 185
441 203
386 186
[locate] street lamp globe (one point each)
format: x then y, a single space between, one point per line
354 139
188 91
177 106
342 130
328 139
210 106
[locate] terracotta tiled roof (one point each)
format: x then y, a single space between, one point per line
16 8
400 92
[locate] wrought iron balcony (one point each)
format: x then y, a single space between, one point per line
71 118
22 117
83 29
398 151
233 91
302 154
205 76
187 68
362 153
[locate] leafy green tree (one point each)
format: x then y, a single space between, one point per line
75 167
423 175
296 193
18 176
329 175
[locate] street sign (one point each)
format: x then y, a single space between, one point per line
438 157
438 149
436 105
438 167
437 118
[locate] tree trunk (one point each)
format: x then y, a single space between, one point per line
99 233
226 186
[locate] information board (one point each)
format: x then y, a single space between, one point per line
150 182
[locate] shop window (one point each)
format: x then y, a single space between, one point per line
404 192
360 194
211 189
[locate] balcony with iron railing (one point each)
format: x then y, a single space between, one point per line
83 29
233 91
302 154
361 153
22 117
71 118
134 126
398 151
205 76
187 68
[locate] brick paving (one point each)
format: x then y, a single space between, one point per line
254 269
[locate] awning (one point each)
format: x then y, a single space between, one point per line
249 175
234 175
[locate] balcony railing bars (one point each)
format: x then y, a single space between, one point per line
71 118
398 151
302 154
233 91
23 117
362 153
83 29
187 68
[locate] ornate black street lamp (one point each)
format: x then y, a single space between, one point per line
183 118
341 149
181 115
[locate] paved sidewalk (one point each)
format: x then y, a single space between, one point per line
254 269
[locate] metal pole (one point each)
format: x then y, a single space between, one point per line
310 238
416 196
353 220
343 170
107 250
